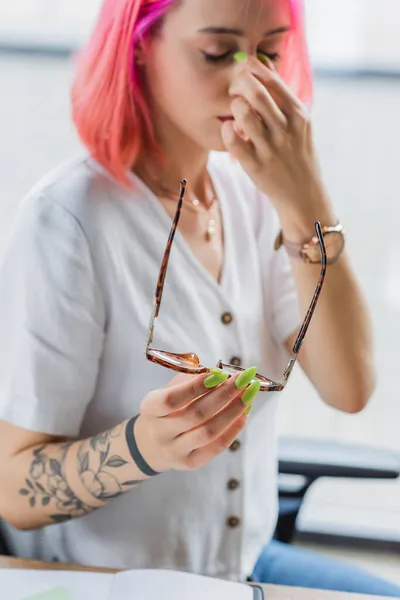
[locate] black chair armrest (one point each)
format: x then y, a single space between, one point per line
4 549
319 458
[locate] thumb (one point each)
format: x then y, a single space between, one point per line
180 378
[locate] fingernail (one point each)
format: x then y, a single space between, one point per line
247 411
266 61
216 379
245 378
240 57
262 58
251 392
216 370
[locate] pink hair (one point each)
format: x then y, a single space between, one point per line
296 68
109 105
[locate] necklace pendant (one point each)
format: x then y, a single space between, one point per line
210 230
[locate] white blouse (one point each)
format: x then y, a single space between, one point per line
76 289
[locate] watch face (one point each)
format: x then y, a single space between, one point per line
334 242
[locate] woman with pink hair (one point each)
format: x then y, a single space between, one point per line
105 458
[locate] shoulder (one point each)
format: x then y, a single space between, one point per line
56 225
68 205
75 189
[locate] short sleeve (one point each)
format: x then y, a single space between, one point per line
278 281
51 321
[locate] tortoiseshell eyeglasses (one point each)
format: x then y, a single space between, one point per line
190 363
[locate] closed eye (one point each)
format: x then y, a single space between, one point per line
216 58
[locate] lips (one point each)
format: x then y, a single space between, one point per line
223 119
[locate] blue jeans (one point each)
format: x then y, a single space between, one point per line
281 564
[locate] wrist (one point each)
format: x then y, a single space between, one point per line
140 448
310 250
298 227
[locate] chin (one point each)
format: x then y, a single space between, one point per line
218 147
214 142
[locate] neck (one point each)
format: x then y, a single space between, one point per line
183 159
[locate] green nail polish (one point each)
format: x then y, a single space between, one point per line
245 377
214 380
251 392
215 370
240 57
247 411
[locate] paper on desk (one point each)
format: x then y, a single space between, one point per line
17 584
172 585
148 584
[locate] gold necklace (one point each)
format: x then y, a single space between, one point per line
194 205
212 221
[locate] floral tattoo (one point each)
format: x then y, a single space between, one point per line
47 484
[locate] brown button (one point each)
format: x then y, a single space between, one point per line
227 318
233 484
233 522
236 361
235 446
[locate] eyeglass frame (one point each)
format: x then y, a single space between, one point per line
275 387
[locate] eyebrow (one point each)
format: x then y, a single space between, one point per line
240 32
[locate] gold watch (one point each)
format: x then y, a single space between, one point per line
310 252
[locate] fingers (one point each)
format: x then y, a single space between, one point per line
255 114
206 420
248 122
214 428
161 403
287 103
200 457
283 95
209 432
204 408
243 151
249 92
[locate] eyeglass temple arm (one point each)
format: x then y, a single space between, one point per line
311 309
164 264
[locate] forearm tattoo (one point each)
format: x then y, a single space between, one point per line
97 469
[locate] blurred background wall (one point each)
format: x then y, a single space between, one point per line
343 34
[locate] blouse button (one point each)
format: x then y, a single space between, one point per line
236 361
227 318
233 484
233 522
235 446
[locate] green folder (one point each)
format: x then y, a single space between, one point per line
55 594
